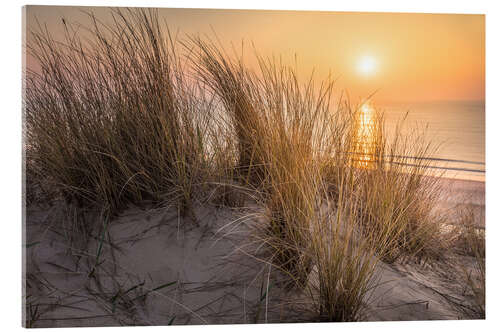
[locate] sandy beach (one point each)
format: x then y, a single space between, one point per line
158 270
464 193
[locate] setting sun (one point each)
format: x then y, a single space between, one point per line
367 65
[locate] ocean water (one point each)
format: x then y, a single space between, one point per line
458 128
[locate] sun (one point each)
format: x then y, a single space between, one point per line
367 65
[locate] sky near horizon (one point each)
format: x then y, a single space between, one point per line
400 57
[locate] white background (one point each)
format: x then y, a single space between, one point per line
10 155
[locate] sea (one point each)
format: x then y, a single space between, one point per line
457 128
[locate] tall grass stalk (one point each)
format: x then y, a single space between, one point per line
398 196
468 239
345 261
113 119
277 124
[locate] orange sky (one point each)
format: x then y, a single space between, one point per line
417 57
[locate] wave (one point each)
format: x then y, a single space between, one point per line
442 167
436 159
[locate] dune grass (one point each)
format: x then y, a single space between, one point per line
134 115
344 260
469 240
273 120
113 120
398 196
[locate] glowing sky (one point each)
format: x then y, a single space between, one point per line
404 57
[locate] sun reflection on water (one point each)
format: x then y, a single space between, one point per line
365 143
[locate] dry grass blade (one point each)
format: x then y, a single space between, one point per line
113 120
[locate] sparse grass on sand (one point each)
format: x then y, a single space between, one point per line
133 115
467 239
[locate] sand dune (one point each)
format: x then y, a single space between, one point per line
156 269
